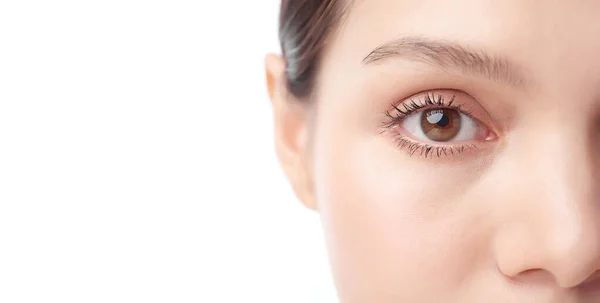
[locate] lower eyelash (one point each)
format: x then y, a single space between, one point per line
427 150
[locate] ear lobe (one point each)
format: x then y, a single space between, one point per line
291 131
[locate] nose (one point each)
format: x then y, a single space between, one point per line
549 227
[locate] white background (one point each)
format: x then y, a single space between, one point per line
136 157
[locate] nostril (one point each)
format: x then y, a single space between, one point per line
533 276
532 271
592 284
593 278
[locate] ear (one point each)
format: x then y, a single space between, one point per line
291 131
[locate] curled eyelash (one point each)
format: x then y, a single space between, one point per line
400 112
430 100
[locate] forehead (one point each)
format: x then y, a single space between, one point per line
479 16
543 36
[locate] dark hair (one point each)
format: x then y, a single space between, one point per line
304 25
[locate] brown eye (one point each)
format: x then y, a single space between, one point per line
441 124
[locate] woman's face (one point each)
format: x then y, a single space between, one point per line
454 151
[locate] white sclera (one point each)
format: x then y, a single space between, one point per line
468 127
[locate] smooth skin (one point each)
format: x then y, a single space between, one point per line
514 218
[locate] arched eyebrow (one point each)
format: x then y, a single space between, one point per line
451 57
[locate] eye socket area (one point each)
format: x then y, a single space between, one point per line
441 118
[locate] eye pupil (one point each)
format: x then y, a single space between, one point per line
441 124
438 117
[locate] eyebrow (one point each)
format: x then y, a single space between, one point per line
451 56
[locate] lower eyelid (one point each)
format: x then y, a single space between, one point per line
414 148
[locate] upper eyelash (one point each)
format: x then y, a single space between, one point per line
405 109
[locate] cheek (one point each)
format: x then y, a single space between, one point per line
394 229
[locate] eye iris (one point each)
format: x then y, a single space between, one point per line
441 124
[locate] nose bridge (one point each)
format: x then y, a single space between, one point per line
571 244
569 233
563 234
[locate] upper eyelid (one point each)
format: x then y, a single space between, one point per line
414 106
395 117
